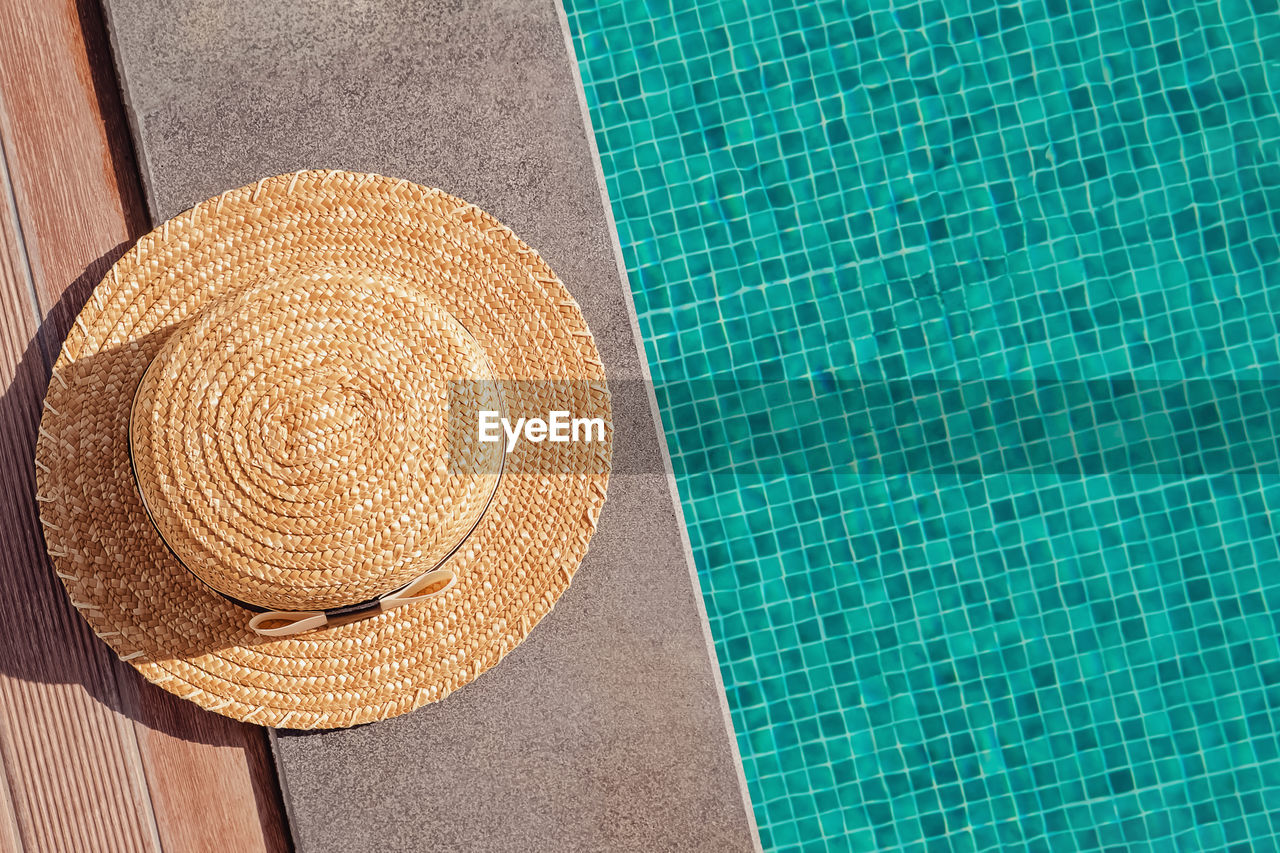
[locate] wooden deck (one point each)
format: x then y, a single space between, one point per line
94 758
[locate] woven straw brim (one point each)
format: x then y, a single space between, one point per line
513 567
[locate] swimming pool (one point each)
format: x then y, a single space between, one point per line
962 321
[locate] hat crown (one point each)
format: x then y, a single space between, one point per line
302 443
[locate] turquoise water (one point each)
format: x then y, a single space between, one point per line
963 322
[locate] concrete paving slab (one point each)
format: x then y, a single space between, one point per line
607 729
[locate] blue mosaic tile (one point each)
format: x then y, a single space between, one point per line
962 320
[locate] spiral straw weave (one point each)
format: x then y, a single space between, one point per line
291 444
301 339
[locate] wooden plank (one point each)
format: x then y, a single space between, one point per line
58 741
94 758
212 780
70 159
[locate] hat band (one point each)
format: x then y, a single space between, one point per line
287 623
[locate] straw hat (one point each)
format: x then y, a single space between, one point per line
259 470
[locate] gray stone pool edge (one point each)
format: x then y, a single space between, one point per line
669 468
